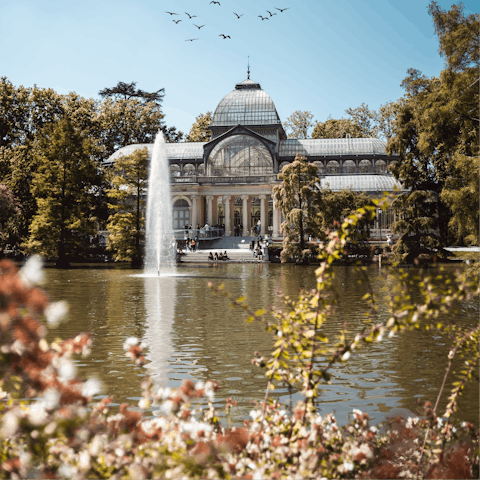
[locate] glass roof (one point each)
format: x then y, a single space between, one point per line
331 146
248 104
361 183
175 151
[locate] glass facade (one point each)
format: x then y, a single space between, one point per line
248 104
239 155
331 146
362 183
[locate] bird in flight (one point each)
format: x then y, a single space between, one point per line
224 36
238 16
170 13
190 16
176 21
191 39
271 14
263 18
213 1
281 9
199 27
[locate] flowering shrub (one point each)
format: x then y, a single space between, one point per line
50 427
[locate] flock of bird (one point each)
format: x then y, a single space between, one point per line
281 10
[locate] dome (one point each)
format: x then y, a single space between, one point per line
248 104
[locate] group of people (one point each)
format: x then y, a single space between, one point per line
191 245
218 256
258 245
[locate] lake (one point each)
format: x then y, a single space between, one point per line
192 333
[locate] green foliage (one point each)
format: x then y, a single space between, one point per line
461 194
199 131
337 129
127 222
9 218
335 206
128 90
298 124
436 129
296 198
458 36
64 185
375 123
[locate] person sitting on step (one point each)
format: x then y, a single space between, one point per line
225 256
215 256
210 257
220 256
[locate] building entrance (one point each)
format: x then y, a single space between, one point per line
181 214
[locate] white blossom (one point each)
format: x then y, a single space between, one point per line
65 471
346 356
55 312
167 407
51 398
66 370
37 413
91 387
32 271
84 460
10 425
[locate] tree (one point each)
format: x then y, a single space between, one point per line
296 196
126 121
335 206
435 126
171 134
199 131
375 123
336 129
298 124
364 119
127 91
461 194
458 36
64 186
9 219
127 224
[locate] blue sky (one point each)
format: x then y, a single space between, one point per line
322 56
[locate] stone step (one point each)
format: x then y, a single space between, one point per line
234 255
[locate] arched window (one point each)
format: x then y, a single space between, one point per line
174 170
188 170
349 166
365 166
239 155
283 164
333 166
181 214
380 166
319 167
201 169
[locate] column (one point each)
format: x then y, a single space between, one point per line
194 217
262 214
246 216
209 209
226 202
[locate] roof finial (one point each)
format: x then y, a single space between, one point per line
248 71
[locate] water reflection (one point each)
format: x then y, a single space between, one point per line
160 295
192 333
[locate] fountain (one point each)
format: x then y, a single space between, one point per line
160 240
